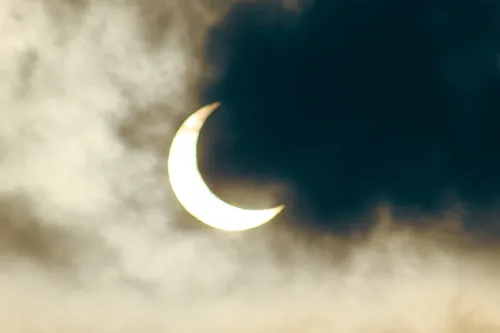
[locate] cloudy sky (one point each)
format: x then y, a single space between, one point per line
375 122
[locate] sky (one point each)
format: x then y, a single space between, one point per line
360 102
358 117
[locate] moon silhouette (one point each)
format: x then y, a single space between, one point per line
190 188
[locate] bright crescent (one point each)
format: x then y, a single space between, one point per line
190 188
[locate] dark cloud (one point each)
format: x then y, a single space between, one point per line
27 67
354 103
22 235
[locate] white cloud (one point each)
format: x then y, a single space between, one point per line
69 76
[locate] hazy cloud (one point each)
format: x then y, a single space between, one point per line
90 94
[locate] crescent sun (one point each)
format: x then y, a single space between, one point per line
190 188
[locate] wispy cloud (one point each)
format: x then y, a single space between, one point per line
90 239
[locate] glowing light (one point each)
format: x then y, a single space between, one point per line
190 188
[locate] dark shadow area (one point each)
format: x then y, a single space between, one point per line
354 103
21 234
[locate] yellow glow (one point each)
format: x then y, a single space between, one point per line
191 190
